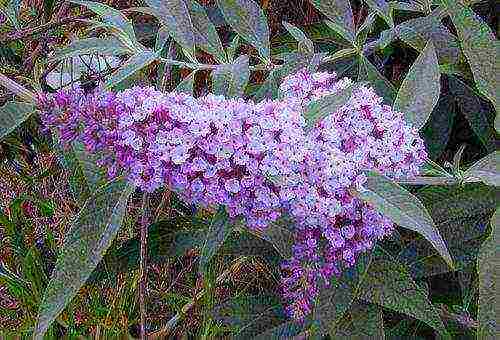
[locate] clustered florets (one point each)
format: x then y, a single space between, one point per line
257 159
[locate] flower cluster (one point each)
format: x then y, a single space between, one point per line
257 159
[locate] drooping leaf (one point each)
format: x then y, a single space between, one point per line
486 169
174 14
112 17
363 321
381 84
402 208
479 46
186 85
420 89
487 268
88 238
219 229
389 285
132 65
102 46
438 128
335 300
382 8
326 105
475 110
248 20
13 114
340 13
279 234
305 44
230 79
205 34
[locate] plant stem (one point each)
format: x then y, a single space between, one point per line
142 263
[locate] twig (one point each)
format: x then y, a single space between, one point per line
142 264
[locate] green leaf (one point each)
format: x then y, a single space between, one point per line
112 17
340 14
131 66
437 129
205 34
326 105
305 44
230 79
248 20
486 169
219 230
487 270
17 89
420 90
279 234
335 300
102 46
88 238
479 46
174 14
186 85
363 321
381 84
404 209
475 110
382 8
389 285
13 114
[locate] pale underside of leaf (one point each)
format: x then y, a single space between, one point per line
13 114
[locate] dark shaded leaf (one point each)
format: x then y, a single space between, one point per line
381 84
402 208
363 321
248 20
219 229
389 284
438 128
230 80
382 8
88 238
420 89
186 85
12 115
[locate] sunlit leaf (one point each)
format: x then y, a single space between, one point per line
487 268
205 34
230 80
487 169
389 285
174 14
402 208
382 8
132 65
88 238
102 46
339 12
248 20
218 231
13 114
420 89
479 46
305 44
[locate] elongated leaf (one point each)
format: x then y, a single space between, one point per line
438 128
230 80
205 34
102 46
174 14
186 85
388 284
305 44
18 89
339 12
380 83
326 106
382 8
402 208
420 90
479 46
363 321
487 267
88 238
487 169
476 111
134 63
217 233
111 16
279 234
249 21
13 114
